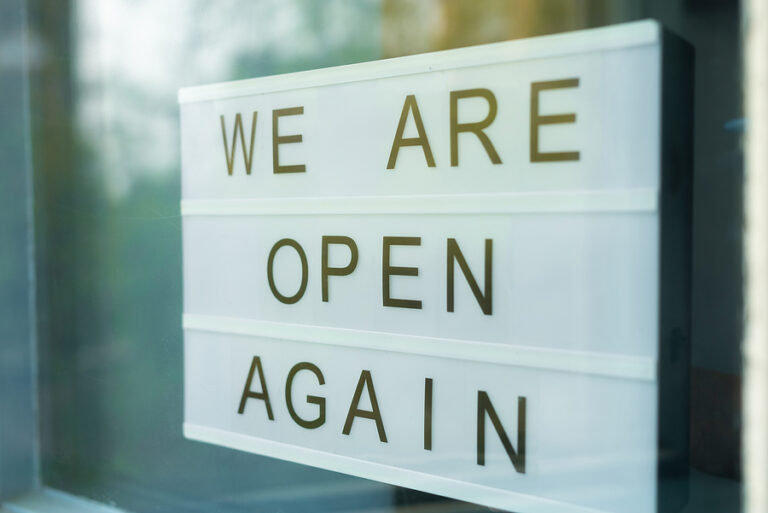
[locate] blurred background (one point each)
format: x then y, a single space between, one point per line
91 258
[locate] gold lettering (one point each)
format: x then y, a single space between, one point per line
476 127
327 270
552 119
311 399
485 300
288 300
230 154
389 270
410 105
484 406
277 140
248 393
365 381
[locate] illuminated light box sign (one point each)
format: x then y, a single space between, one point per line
463 272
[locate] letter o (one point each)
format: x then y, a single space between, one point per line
288 300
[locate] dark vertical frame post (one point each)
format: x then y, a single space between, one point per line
674 334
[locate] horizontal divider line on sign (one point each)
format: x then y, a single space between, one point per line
581 362
502 499
631 200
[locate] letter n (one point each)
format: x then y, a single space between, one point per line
516 457
485 300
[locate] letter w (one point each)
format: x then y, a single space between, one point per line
229 151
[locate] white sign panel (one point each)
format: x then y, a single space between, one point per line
440 271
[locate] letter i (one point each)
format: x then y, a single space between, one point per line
427 414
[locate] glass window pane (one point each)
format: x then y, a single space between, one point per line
108 229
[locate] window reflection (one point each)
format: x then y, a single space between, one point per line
106 150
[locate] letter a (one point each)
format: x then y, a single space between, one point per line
365 381
410 105
248 393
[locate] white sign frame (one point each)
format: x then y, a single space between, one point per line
667 371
